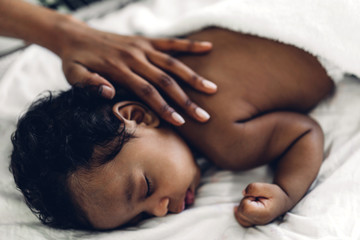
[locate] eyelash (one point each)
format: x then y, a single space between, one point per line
149 186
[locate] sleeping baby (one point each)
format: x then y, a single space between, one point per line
84 162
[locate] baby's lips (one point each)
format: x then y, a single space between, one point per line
189 197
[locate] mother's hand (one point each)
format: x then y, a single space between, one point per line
102 59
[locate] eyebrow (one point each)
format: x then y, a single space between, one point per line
129 191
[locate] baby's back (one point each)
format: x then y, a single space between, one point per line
254 76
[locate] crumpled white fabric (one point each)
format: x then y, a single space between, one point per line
330 210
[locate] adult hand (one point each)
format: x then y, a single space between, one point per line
92 57
102 59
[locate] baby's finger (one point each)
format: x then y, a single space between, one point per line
241 219
78 75
176 67
256 190
173 90
181 45
151 97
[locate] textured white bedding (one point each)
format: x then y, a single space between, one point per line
331 210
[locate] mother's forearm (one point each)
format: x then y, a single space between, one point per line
33 24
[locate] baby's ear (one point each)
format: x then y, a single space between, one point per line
134 113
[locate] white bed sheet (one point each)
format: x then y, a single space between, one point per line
329 211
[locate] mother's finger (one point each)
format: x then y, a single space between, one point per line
173 90
149 94
181 45
176 67
76 73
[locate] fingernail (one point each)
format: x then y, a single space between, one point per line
205 44
208 84
106 91
202 113
178 118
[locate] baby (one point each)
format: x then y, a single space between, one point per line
89 163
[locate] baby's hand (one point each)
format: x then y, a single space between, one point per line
262 203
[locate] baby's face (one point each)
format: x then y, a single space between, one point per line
154 173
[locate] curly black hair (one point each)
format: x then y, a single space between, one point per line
57 136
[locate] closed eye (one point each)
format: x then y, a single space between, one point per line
150 187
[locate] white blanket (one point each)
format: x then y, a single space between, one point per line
331 210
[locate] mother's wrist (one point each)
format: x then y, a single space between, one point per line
66 30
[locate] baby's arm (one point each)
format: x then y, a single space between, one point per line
294 144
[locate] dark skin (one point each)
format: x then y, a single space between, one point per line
258 117
269 86
105 60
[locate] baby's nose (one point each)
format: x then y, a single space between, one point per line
161 208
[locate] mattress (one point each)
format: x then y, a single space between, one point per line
329 210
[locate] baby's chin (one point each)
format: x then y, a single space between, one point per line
191 191
189 198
